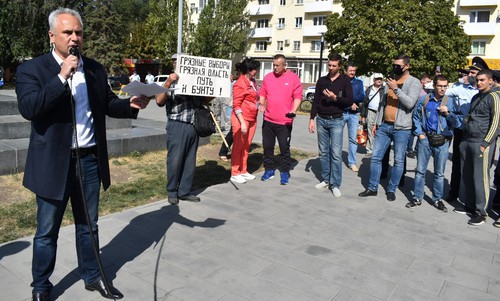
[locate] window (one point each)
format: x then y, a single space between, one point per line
298 22
281 23
263 23
479 17
296 45
315 45
320 20
261 2
282 2
193 8
300 1
478 47
261 46
203 3
279 47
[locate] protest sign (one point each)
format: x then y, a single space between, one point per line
203 76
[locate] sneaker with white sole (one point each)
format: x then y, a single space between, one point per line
268 174
336 192
248 176
238 179
354 168
322 185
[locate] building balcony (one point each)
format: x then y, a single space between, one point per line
318 7
480 29
260 10
314 31
466 3
260 33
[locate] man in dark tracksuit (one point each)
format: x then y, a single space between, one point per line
481 128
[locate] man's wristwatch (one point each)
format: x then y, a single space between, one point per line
396 90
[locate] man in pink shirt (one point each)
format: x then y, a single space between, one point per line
280 97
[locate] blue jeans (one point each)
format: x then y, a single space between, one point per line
330 137
440 154
352 120
49 216
383 137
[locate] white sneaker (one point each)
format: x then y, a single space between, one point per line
336 192
322 185
354 168
238 179
247 176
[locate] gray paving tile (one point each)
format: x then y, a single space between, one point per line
244 285
477 266
405 293
452 291
314 287
449 274
347 294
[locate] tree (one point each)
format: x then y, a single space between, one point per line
158 37
372 32
103 34
222 30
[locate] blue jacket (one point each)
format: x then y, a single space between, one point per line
447 124
358 93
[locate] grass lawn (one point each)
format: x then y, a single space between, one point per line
136 179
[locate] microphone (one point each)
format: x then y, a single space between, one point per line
74 51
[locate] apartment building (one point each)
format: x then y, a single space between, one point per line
295 29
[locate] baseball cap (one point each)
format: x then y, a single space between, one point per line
377 75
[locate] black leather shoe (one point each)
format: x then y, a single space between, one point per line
41 296
391 196
190 198
173 201
367 192
101 288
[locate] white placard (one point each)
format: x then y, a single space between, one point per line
203 76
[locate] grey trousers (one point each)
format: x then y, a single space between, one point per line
475 182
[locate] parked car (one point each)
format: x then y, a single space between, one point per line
309 93
161 79
114 82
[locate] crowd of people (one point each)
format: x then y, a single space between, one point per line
395 110
66 96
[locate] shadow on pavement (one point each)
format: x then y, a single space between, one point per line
139 235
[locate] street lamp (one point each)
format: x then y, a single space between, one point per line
321 53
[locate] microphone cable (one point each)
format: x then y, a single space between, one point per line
74 51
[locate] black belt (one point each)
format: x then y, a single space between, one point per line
375 111
84 151
389 122
334 116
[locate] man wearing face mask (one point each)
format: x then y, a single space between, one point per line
394 124
462 95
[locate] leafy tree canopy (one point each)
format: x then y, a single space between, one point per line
222 30
372 32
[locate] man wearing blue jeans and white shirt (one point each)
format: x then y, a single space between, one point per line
433 114
351 114
394 123
333 94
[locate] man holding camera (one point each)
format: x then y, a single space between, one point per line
433 120
394 123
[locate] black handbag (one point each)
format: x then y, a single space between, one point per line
203 122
